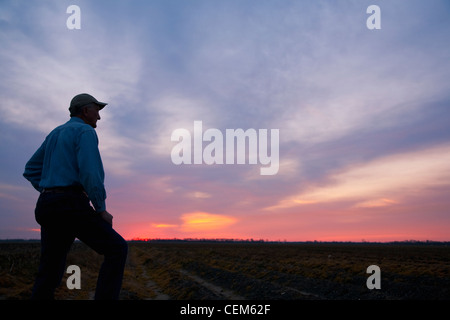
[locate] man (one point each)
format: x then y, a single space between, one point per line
67 170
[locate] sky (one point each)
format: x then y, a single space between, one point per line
363 114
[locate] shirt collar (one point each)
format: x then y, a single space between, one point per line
76 119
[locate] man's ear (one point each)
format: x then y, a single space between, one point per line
84 111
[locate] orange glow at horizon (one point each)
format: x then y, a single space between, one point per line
203 221
163 225
381 200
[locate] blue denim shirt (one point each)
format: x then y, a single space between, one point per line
69 156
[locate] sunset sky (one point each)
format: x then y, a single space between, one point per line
363 115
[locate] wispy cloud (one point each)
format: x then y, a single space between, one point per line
381 182
44 69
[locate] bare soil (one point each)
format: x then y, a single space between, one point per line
239 271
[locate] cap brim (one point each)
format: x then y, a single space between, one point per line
101 105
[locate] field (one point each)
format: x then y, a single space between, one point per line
246 270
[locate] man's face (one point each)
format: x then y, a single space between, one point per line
91 115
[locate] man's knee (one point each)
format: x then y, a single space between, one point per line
119 250
124 248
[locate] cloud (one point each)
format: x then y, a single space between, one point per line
45 68
10 192
174 111
381 182
376 203
193 224
164 225
200 195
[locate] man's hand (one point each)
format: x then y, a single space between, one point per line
107 217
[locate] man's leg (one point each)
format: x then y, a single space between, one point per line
110 276
54 248
100 236
55 244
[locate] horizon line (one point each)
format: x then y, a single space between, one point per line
234 240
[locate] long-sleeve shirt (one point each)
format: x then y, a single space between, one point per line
69 156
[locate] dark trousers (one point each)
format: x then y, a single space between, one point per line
64 217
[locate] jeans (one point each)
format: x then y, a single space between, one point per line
64 217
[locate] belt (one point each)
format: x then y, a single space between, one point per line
73 189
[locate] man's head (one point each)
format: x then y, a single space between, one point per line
86 107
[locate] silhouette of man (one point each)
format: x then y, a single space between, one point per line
67 170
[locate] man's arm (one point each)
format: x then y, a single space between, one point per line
91 169
33 168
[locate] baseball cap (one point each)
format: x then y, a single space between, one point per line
83 99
